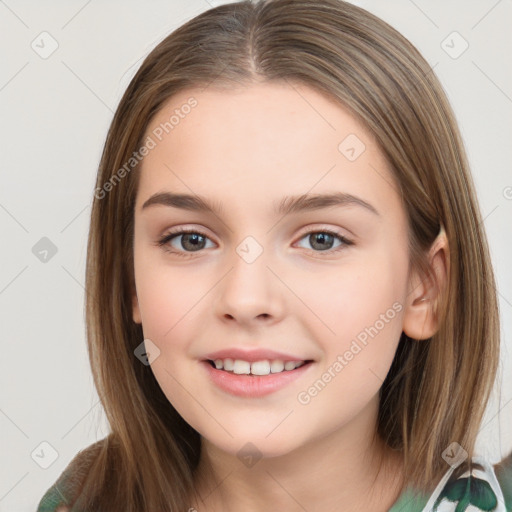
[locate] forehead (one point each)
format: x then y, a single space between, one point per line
255 111
265 139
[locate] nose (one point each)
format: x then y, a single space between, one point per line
250 292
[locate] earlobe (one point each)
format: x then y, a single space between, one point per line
420 320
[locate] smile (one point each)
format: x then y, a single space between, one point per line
243 380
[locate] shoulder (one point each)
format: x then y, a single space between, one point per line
61 495
483 487
503 471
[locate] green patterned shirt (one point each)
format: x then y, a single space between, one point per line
488 488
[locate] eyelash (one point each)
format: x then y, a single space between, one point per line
173 234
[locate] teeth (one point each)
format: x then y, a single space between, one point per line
263 367
241 367
260 368
276 366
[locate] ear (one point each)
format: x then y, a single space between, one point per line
420 321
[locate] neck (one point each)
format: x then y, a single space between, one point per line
340 468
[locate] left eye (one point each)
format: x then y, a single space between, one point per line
323 240
194 241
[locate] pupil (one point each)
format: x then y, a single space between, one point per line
191 238
324 238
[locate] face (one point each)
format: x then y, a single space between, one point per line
324 284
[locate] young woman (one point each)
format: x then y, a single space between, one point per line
290 298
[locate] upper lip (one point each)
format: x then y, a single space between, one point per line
252 355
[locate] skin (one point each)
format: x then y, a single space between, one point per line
247 148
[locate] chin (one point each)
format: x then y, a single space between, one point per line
243 445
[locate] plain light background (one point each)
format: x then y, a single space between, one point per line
55 112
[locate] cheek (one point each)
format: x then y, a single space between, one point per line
356 361
355 296
361 313
167 295
171 311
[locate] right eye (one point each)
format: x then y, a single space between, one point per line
190 239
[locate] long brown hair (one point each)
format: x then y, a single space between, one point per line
436 391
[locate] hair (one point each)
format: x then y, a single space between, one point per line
437 389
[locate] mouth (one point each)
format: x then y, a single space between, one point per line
255 379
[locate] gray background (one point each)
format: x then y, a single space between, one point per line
55 112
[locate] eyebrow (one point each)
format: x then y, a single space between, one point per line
289 204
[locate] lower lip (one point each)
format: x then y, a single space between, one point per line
253 385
